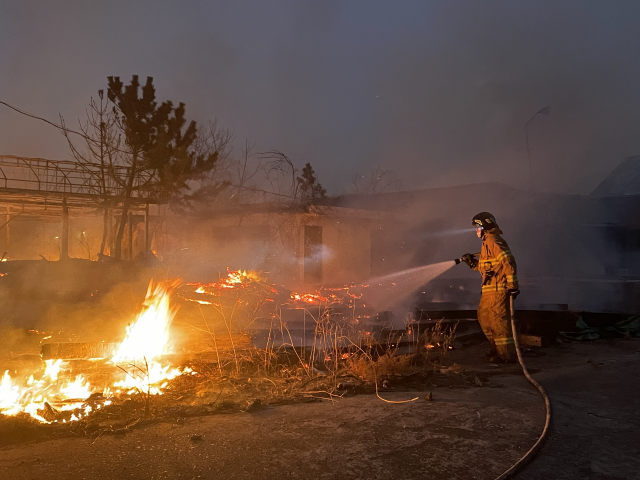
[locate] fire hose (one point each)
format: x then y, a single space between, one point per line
469 258
520 464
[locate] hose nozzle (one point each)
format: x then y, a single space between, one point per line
468 258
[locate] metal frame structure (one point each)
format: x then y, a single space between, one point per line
38 186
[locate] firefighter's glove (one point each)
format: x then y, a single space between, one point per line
470 260
514 292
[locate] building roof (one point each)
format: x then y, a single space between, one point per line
624 180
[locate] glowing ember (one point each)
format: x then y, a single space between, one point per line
201 302
235 279
328 296
309 298
236 282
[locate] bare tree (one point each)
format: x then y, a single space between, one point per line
378 181
263 176
102 140
210 140
280 173
279 179
246 169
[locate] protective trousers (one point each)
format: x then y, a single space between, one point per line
494 316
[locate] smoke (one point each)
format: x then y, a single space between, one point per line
437 91
74 302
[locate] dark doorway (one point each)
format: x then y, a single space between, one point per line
312 254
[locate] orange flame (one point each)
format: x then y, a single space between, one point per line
140 355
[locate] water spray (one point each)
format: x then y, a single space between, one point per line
390 290
446 233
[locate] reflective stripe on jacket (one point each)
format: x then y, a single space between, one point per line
496 264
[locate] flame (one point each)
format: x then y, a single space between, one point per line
57 394
79 389
148 337
52 369
147 340
33 397
9 393
139 355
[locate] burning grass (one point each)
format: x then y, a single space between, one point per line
145 379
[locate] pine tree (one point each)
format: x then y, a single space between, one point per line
309 189
159 155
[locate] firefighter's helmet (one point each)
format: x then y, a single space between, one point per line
485 220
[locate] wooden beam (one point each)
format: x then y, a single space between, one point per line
64 239
6 232
72 351
533 341
147 244
130 249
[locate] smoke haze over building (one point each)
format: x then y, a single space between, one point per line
439 92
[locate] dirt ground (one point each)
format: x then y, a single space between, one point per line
464 433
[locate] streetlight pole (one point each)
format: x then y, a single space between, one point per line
542 111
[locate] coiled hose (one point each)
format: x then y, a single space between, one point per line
520 464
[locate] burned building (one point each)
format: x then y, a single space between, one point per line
582 251
296 244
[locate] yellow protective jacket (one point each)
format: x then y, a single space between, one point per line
496 264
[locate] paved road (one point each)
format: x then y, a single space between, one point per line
595 393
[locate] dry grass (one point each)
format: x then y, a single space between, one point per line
336 362
335 351
369 370
338 345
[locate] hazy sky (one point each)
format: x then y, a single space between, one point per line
438 91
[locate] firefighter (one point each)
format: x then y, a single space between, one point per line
499 281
